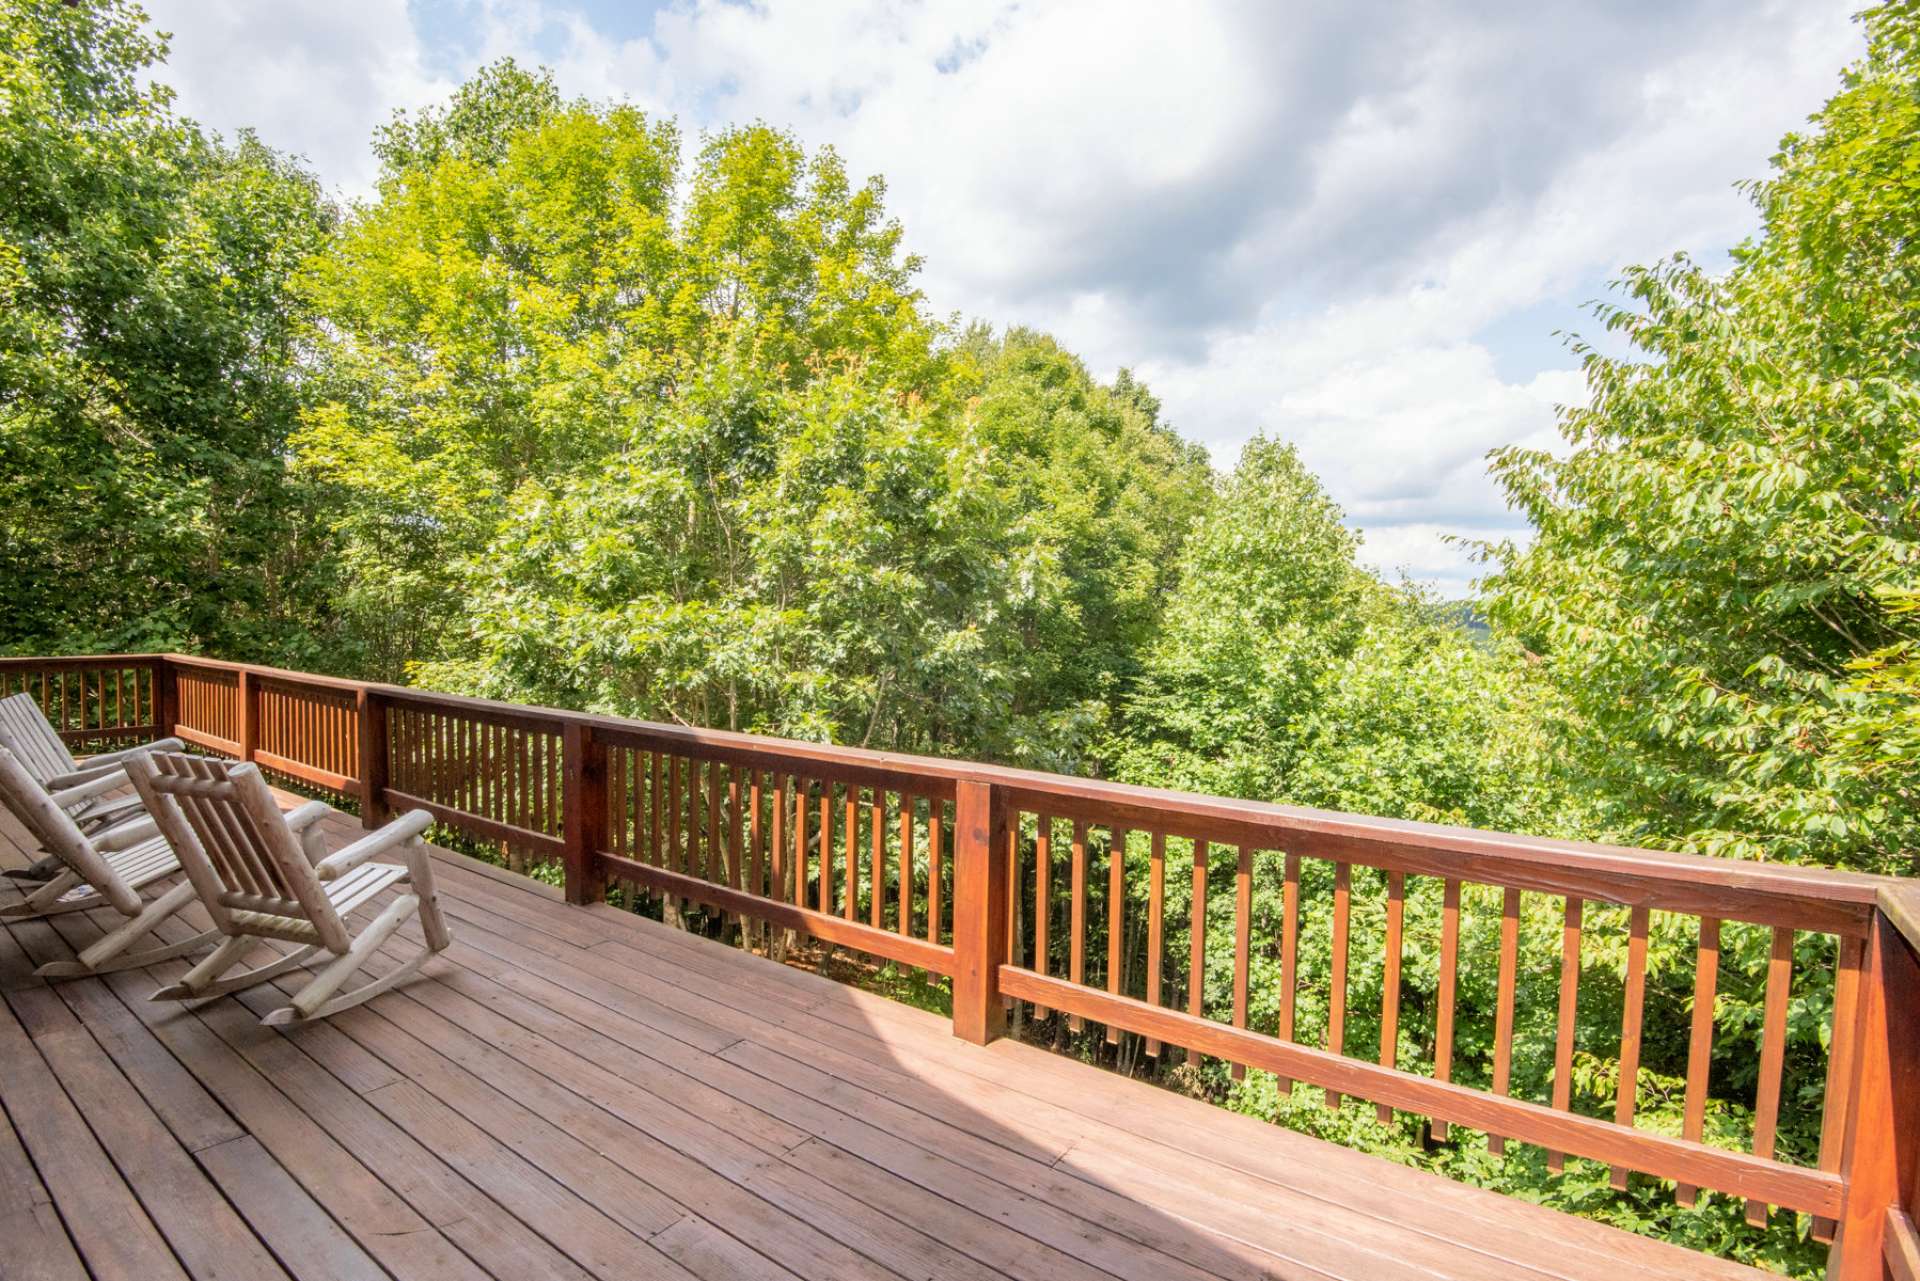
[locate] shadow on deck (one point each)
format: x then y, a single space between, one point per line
578 1092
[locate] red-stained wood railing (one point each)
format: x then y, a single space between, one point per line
1213 846
848 850
1016 886
94 703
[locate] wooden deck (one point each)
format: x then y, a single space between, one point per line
577 1092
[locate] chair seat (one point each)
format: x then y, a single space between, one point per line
138 865
346 894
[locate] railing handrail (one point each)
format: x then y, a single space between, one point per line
1764 893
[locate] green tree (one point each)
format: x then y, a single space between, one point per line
1721 560
147 375
525 295
1281 670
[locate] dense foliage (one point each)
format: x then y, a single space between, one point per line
1726 561
147 376
571 412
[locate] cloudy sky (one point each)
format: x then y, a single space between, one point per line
1356 226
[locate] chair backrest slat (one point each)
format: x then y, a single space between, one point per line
233 841
25 730
57 833
244 868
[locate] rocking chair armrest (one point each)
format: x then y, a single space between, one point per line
394 834
126 835
86 773
105 781
120 757
301 822
307 815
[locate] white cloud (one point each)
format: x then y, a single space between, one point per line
313 77
1316 224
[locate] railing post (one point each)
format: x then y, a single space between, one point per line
372 710
249 698
166 698
1882 1160
583 811
981 892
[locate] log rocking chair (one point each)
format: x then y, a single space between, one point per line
259 881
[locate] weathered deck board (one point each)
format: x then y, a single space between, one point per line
575 1092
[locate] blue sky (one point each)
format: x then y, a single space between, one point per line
1353 227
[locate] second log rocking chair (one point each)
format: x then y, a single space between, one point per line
258 882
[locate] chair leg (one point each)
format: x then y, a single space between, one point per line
204 980
420 874
312 1001
104 956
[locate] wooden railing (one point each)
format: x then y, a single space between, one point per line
1056 893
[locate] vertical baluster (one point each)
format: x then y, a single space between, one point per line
1197 942
801 795
1077 918
1568 1016
1627 1095
463 740
1013 897
1337 996
657 811
1849 960
555 782
1043 897
850 900
1156 921
735 821
877 858
1503 1011
675 787
696 860
1773 1050
521 801
485 796
509 770
1706 972
936 867
501 769
826 846
1390 980
716 832
1242 941
1116 919
1449 970
428 725
1289 951
905 923
756 844
777 889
